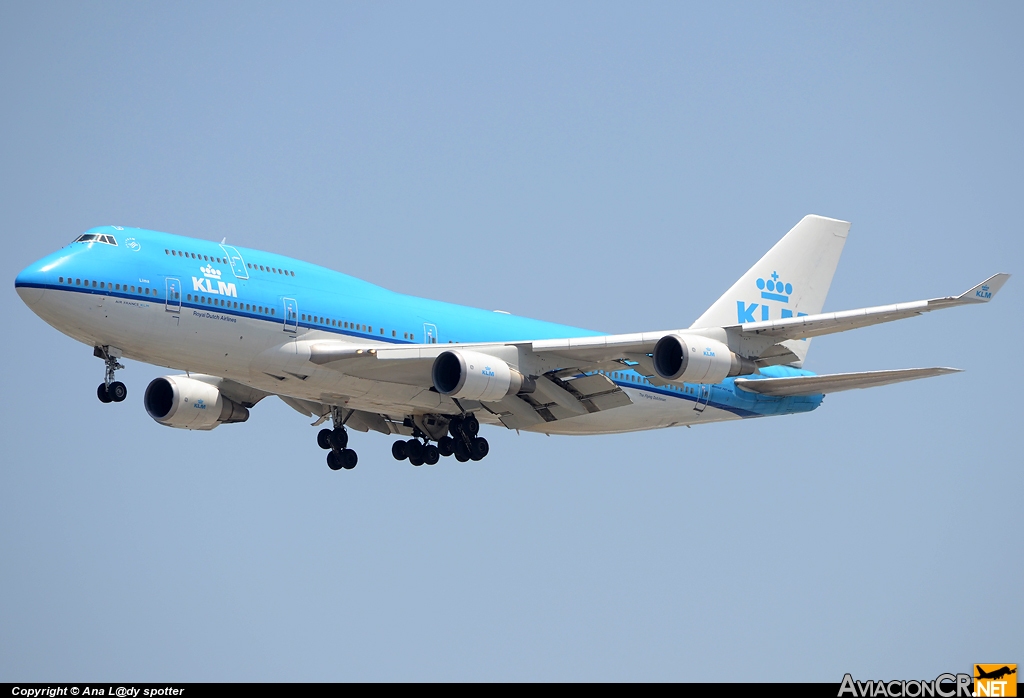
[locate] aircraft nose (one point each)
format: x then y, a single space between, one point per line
29 286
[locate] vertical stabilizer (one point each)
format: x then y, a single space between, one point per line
792 279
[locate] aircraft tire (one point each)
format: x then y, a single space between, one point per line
462 453
470 426
414 449
323 439
455 427
398 450
339 439
102 394
117 391
349 458
446 446
431 454
480 448
333 461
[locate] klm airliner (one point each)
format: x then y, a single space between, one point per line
244 324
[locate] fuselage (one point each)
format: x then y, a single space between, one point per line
193 305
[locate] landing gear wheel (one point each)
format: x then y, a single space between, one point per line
334 461
323 439
414 449
339 438
348 459
117 391
110 390
446 446
416 461
480 448
470 426
398 450
461 451
430 454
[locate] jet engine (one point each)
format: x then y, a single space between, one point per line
186 403
475 376
694 359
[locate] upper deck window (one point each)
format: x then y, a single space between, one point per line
96 237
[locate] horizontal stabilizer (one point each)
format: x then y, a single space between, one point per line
835 382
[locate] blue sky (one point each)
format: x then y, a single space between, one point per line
600 165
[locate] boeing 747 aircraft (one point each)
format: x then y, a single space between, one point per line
245 324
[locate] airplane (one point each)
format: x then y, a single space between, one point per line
996 674
244 324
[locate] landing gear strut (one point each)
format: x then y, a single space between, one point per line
110 390
463 443
335 441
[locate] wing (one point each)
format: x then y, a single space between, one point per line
569 372
835 382
563 388
808 326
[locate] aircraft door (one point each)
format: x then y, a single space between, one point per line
429 333
703 397
172 303
291 315
237 263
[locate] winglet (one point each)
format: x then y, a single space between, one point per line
983 292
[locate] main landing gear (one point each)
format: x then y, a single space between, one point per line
335 441
110 390
463 443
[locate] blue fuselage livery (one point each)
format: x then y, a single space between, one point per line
246 324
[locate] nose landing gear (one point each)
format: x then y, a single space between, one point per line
110 390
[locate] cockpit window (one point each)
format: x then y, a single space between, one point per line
96 237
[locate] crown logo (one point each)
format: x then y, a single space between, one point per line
209 272
775 290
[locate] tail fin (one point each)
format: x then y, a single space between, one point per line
792 279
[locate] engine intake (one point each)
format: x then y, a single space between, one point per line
475 376
694 359
186 403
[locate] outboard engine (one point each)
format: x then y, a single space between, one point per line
696 359
187 403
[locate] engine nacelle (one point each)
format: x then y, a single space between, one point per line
695 359
474 376
186 403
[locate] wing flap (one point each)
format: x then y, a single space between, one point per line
835 382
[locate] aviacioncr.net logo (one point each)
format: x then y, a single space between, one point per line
943 686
